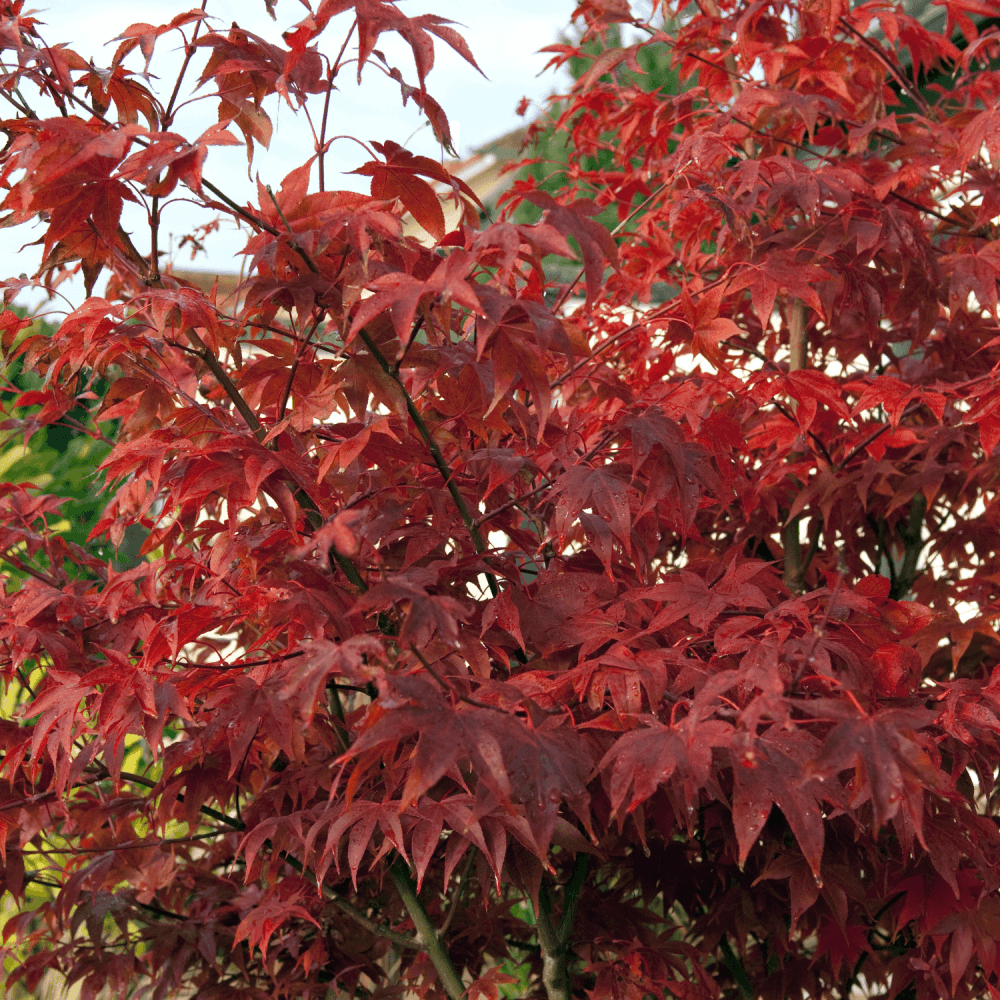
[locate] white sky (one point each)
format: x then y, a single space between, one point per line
504 38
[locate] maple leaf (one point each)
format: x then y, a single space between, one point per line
402 294
891 768
129 97
489 986
267 915
643 760
595 243
377 16
427 615
419 592
535 768
169 158
768 770
603 489
399 177
145 36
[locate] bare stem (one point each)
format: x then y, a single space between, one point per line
321 145
792 575
213 365
154 239
399 940
555 975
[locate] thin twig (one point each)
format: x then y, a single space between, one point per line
864 444
380 930
25 568
463 881
189 49
818 441
240 664
918 98
448 688
568 290
321 146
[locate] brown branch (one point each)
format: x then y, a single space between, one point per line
239 665
222 377
797 341
864 444
321 145
981 232
793 562
818 441
189 50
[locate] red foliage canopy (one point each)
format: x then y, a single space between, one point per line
635 644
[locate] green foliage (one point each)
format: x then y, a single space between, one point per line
550 162
61 458
549 143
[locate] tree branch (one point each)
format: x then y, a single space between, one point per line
426 931
555 976
915 94
399 940
555 943
793 566
912 546
432 446
797 336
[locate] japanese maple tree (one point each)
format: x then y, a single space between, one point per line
624 636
